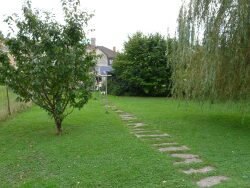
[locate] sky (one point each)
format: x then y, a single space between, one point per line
114 20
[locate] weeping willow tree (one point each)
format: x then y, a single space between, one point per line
212 58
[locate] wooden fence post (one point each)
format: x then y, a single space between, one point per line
8 100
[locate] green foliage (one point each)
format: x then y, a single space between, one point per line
52 67
142 69
212 57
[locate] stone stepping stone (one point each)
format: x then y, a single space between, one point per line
151 138
125 114
128 118
152 135
211 181
138 129
181 148
200 170
184 156
111 106
136 125
130 124
145 131
189 161
118 111
165 144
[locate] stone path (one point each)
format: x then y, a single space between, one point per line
151 135
168 149
165 144
211 181
173 149
200 170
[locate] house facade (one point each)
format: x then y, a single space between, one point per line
4 49
104 62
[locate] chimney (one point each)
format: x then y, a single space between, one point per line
114 49
93 41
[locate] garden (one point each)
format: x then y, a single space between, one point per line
177 113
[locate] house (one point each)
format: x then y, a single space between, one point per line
104 62
4 49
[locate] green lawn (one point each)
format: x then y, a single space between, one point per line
219 133
96 150
2 97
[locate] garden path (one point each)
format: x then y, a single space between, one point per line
145 132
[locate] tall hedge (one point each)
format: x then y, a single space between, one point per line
142 69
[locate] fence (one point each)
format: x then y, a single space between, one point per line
8 103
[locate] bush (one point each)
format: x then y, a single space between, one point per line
143 68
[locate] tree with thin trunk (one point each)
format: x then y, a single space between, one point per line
52 65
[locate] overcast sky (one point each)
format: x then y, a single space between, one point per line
114 19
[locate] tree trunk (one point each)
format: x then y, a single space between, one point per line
58 126
8 100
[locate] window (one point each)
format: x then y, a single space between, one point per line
110 62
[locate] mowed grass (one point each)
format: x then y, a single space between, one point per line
219 133
3 98
95 150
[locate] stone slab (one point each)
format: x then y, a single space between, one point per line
189 161
128 118
146 131
118 111
168 149
203 170
151 138
211 181
111 106
125 115
165 144
184 156
152 135
140 125
138 129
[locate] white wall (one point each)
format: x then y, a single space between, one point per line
103 60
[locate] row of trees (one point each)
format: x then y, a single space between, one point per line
208 59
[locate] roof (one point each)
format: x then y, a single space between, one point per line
109 53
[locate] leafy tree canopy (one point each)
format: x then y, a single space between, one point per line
52 66
142 69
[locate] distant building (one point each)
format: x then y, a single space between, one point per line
5 49
104 62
